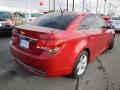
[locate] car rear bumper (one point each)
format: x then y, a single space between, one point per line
48 65
31 69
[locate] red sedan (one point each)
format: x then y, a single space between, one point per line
58 44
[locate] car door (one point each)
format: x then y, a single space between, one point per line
94 35
106 33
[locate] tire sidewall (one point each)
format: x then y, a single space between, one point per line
74 74
111 45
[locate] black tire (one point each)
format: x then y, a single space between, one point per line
111 45
75 70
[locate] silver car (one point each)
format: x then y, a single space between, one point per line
28 17
116 23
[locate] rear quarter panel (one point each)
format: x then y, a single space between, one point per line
75 44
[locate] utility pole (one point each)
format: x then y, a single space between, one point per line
49 5
109 8
97 6
105 7
87 8
54 5
67 5
99 9
83 5
73 5
90 5
26 6
115 10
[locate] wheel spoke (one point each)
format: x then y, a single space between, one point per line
79 71
82 64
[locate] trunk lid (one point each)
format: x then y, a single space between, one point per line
27 36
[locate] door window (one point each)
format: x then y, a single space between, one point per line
83 25
95 22
101 22
92 22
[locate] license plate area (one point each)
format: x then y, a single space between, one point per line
24 43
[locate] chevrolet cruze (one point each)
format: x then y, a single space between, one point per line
58 44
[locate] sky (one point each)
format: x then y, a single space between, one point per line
33 5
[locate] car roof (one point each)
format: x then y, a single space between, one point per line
73 13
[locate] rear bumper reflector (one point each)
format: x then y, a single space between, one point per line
31 69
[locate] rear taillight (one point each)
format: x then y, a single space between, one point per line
14 36
51 50
41 43
51 46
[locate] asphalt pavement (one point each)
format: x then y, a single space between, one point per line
102 74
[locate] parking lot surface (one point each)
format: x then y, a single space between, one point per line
102 74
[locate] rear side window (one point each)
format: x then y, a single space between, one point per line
83 25
116 18
101 22
92 22
55 20
95 22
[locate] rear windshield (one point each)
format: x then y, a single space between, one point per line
35 14
5 15
116 18
55 20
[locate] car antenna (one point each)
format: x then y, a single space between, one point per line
61 10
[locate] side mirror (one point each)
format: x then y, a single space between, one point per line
109 26
106 27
